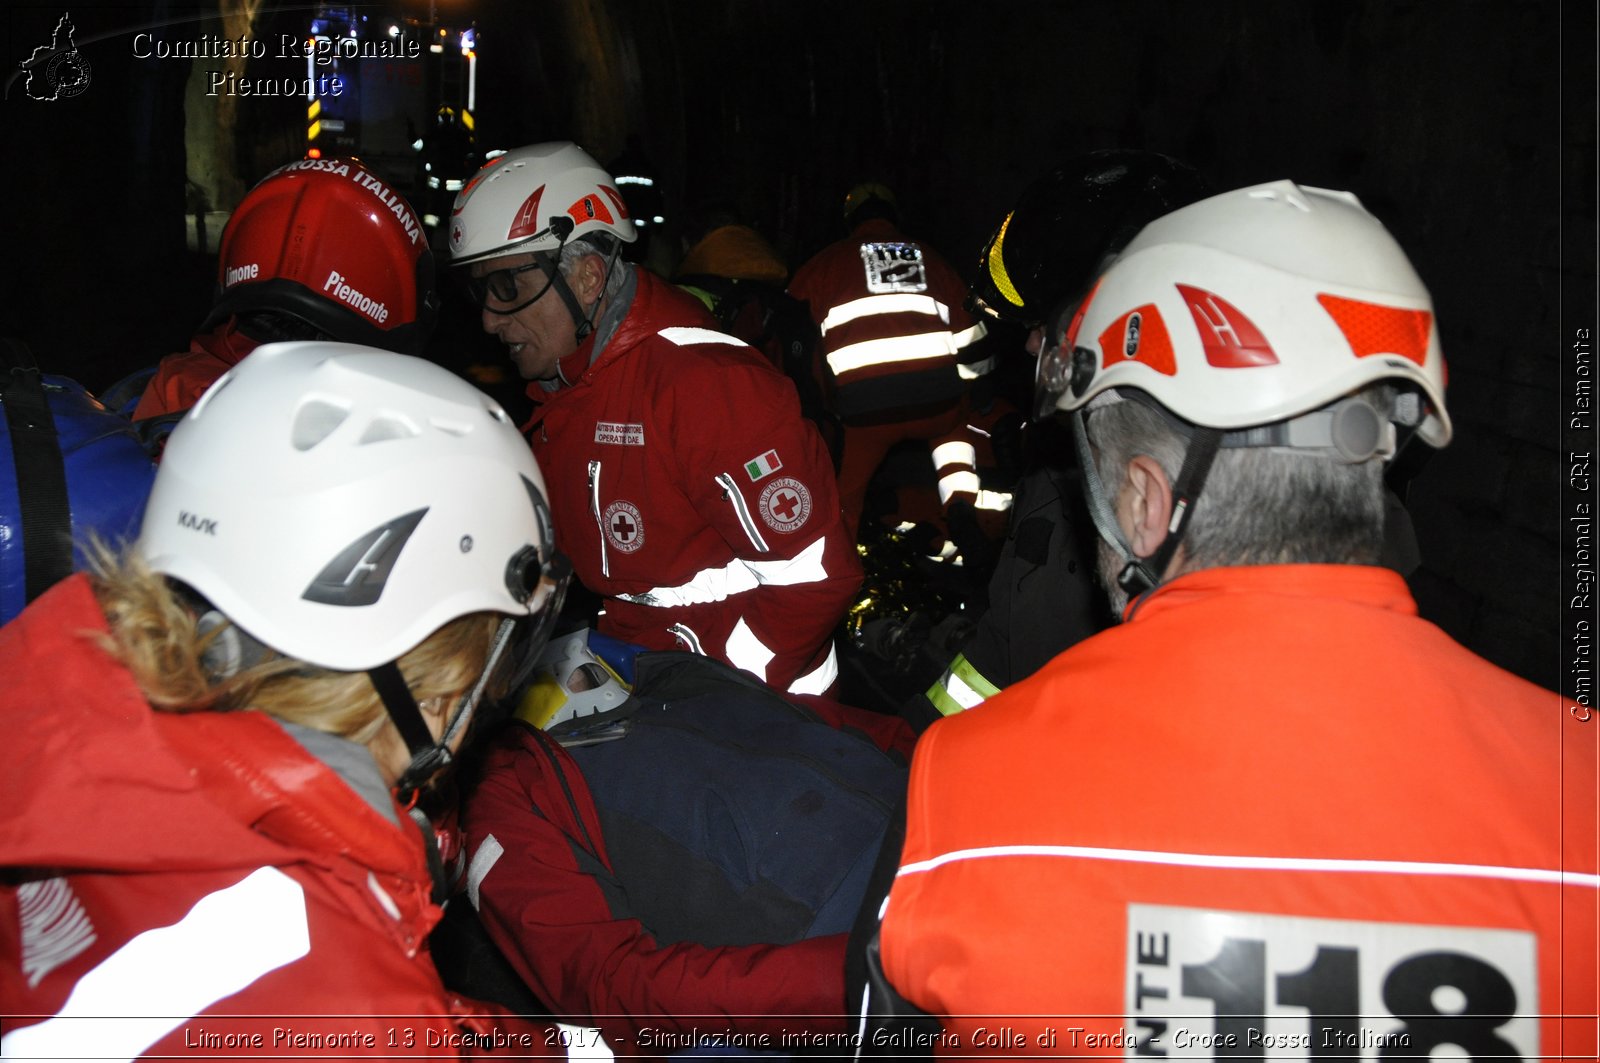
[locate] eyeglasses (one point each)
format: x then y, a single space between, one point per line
502 286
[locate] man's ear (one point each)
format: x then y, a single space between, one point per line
590 277
1147 505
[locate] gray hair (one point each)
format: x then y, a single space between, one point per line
600 244
1260 505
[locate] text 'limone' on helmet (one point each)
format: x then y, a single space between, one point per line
329 242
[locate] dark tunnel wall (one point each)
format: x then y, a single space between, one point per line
1457 123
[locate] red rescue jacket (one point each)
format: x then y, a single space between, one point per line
692 495
200 884
181 379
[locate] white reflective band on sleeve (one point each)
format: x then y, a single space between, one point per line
163 977
683 336
957 483
483 861
875 305
820 678
974 370
890 349
804 567
967 337
747 652
736 577
998 501
955 453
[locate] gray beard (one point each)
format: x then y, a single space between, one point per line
1110 564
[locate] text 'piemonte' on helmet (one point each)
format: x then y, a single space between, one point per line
330 244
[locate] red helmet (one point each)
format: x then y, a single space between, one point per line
328 242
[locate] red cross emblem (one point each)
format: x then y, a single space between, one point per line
623 526
785 504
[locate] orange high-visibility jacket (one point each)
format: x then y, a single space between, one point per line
1273 812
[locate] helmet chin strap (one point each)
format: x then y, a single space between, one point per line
1139 575
430 755
582 319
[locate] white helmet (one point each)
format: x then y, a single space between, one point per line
535 199
1256 307
340 504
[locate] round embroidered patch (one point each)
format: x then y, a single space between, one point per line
785 504
623 525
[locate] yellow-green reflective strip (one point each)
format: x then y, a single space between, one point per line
960 688
997 266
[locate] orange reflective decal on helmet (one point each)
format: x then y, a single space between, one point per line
1372 329
1230 340
1140 336
591 208
616 200
526 221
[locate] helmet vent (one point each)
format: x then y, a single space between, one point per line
383 428
450 428
315 421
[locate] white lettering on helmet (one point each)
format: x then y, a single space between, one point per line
348 295
392 200
234 274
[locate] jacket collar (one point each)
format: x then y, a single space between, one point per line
1371 585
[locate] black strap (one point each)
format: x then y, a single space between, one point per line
1139 576
396 695
40 469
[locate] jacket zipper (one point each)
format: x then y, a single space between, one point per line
594 508
730 491
687 638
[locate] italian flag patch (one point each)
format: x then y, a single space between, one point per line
765 465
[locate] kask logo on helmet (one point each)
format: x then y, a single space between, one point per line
354 299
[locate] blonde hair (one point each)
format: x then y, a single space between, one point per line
154 633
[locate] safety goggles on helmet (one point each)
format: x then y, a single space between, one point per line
503 286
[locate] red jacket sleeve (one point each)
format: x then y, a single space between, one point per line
541 881
760 473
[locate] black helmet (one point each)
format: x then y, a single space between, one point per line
1049 247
